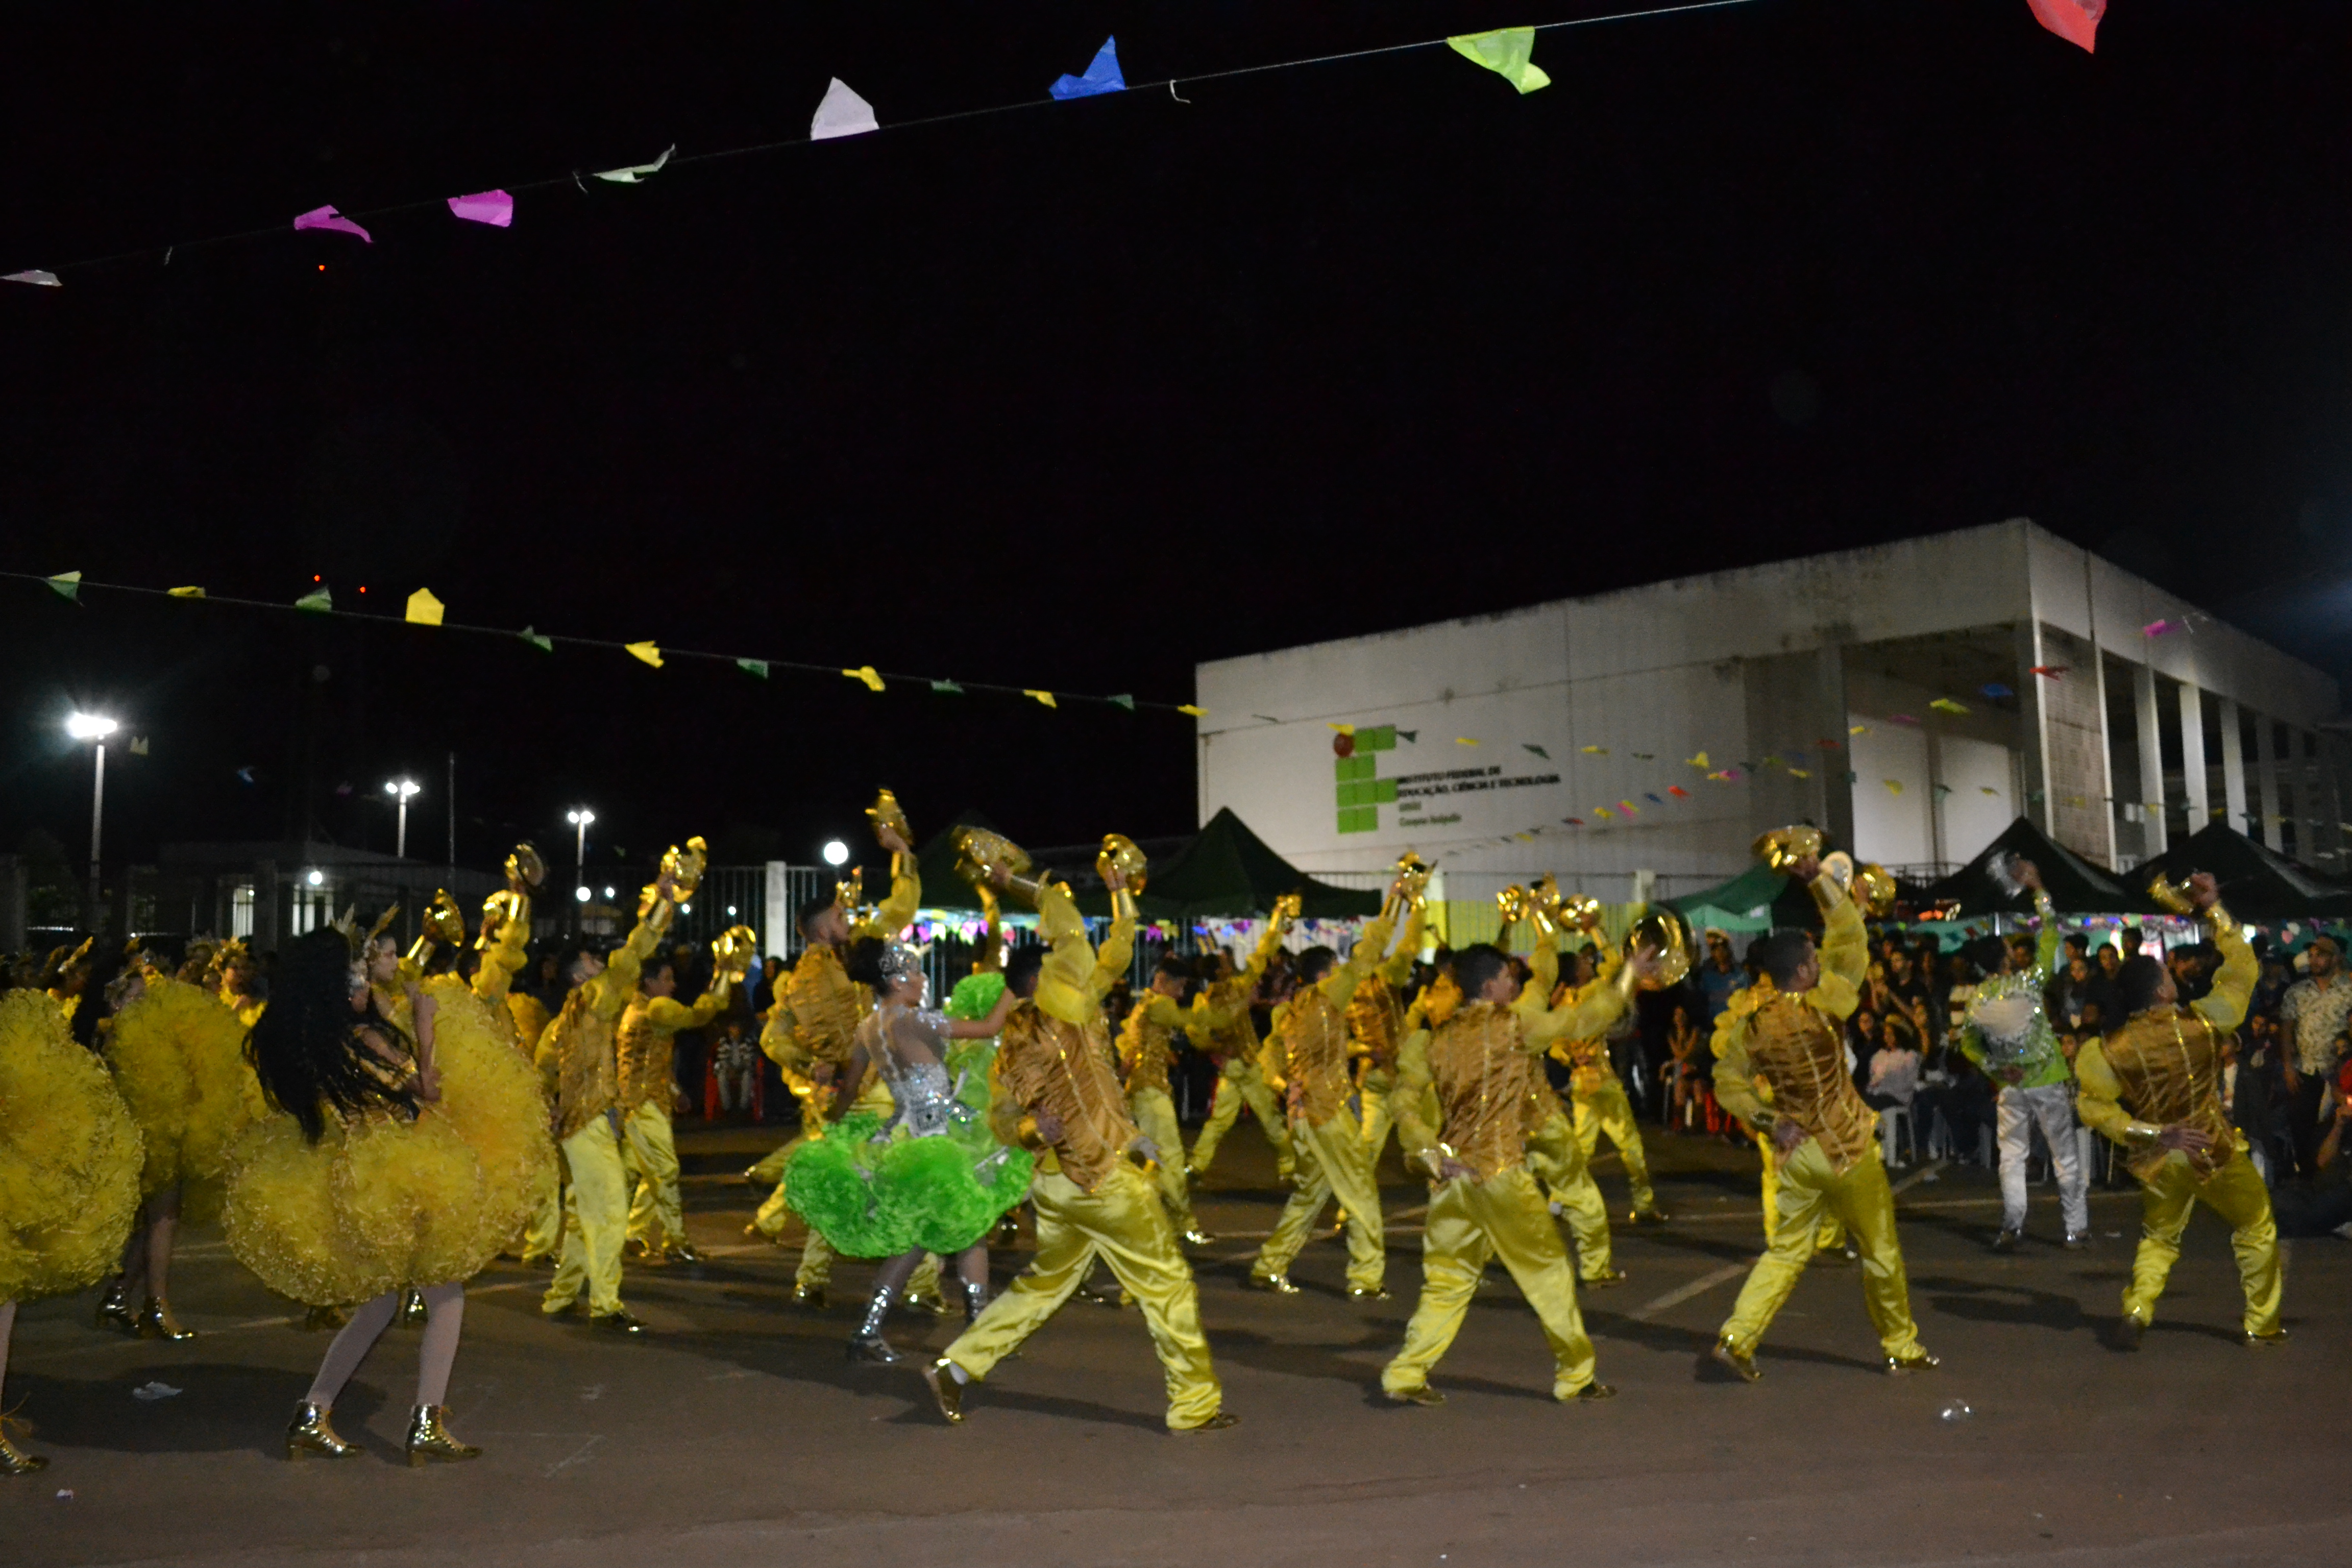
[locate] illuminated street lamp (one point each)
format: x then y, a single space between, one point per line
579 817
835 853
92 727
401 790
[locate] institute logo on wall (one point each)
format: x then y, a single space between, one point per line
1355 771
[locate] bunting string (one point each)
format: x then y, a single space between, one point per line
1506 51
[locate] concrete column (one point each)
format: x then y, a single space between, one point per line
2035 801
776 913
2193 755
267 903
2266 778
2312 824
2233 767
2151 763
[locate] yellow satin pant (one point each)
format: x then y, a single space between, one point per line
1333 1162
1606 1110
595 1222
656 1213
1374 1091
1155 1116
1122 1221
2236 1192
1241 1083
1810 1190
1830 1237
1557 1161
544 1236
1469 1223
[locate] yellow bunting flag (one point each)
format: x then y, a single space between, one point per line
1604 813
1344 729
1195 712
1987 789
1894 786
67 584
865 673
1800 773
1946 705
1699 761
1045 697
185 592
650 653
425 610
1506 51
1596 751
1628 808
1858 730
1464 741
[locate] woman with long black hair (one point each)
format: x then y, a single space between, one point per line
396 1159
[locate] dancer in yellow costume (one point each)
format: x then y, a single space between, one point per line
1483 1062
1788 1029
400 1157
1052 1091
504 944
71 1159
1145 1044
1311 1031
811 1029
178 1057
579 1061
1596 1097
2153 1085
648 1048
1376 1015
237 970
1230 1038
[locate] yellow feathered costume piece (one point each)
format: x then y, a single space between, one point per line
70 1156
178 1056
378 1203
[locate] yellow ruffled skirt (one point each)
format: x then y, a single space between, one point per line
178 1056
380 1203
70 1156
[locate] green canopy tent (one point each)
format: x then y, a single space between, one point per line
2075 886
1227 872
1748 902
2257 883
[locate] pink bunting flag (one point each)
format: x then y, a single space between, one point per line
2076 21
2156 629
33 275
493 207
328 218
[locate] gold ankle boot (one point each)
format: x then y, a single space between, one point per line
15 1461
156 1321
429 1440
412 1308
114 1311
310 1437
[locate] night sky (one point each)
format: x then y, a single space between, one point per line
1076 397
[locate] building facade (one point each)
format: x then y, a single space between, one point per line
1912 699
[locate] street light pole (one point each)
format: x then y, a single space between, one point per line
94 728
401 790
579 818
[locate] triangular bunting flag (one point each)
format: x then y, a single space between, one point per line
1195 712
1506 52
1538 750
1412 735
544 643
328 218
843 113
758 667
424 609
865 673
493 207
185 592
644 653
2076 21
1125 700
68 585
947 688
318 601
1045 697
33 275
1946 705
635 174
1101 77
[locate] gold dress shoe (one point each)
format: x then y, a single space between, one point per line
2271 1341
1594 1391
1196 1237
115 1311
1742 1363
616 1324
323 1319
15 1461
945 1389
1603 1280
1420 1394
1368 1292
2127 1333
1277 1284
429 1439
311 1437
1217 1423
413 1311
1651 1215
685 1253
811 1296
1915 1361
156 1322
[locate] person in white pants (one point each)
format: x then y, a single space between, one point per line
2006 1031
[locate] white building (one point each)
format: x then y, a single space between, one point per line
1912 699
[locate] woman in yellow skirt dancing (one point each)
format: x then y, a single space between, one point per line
396 1159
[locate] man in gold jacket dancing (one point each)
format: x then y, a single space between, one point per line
579 1060
2164 1063
1147 1043
1052 1091
1230 1040
1596 1097
1484 1061
1787 1029
1311 1032
648 1045
1376 1027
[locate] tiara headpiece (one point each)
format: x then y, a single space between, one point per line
899 963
